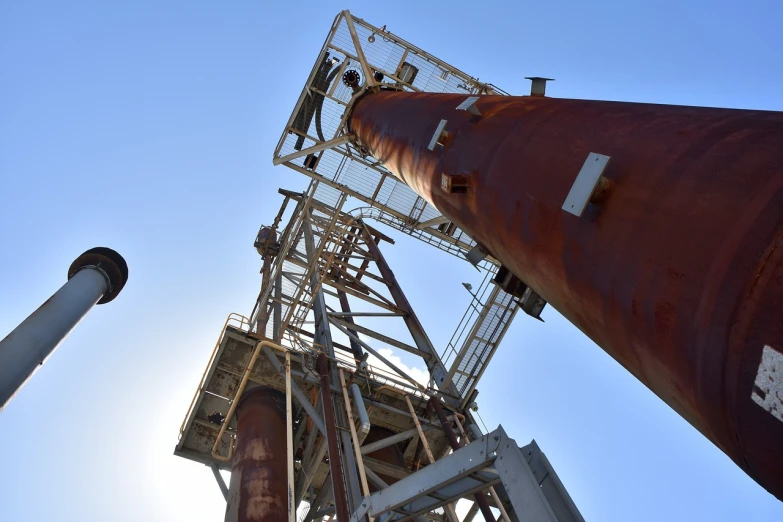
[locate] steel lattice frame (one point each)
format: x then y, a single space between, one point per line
326 289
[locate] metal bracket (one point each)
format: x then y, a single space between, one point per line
440 136
454 183
509 282
470 105
585 183
532 304
476 254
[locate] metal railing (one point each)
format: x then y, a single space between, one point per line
317 122
478 335
234 320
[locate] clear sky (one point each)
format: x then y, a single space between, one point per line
149 127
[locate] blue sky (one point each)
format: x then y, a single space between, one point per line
149 127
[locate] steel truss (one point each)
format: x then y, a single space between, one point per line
327 292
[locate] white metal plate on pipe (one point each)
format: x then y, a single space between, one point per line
585 183
435 137
470 105
768 388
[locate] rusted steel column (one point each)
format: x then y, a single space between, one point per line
258 488
481 501
335 469
677 271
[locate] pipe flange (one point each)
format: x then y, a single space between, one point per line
262 393
110 263
351 78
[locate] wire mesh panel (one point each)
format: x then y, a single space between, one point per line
311 142
478 334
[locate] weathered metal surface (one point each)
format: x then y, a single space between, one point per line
258 475
676 271
335 468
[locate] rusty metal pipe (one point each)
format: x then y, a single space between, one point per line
481 501
258 487
240 389
335 468
676 270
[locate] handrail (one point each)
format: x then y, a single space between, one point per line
240 390
202 383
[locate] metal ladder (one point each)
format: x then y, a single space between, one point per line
478 335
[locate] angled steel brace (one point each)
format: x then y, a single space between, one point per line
221 483
328 144
296 390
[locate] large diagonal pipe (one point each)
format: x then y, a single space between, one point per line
676 270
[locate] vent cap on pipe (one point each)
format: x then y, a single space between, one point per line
110 262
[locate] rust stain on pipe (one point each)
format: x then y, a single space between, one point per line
677 271
259 468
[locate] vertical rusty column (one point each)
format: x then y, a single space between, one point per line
676 270
455 445
258 488
335 468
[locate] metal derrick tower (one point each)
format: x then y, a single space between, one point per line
305 385
654 229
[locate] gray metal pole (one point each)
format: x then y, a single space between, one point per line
97 276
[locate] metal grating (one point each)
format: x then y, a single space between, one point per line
478 335
320 112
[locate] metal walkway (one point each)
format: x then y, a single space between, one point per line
478 336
